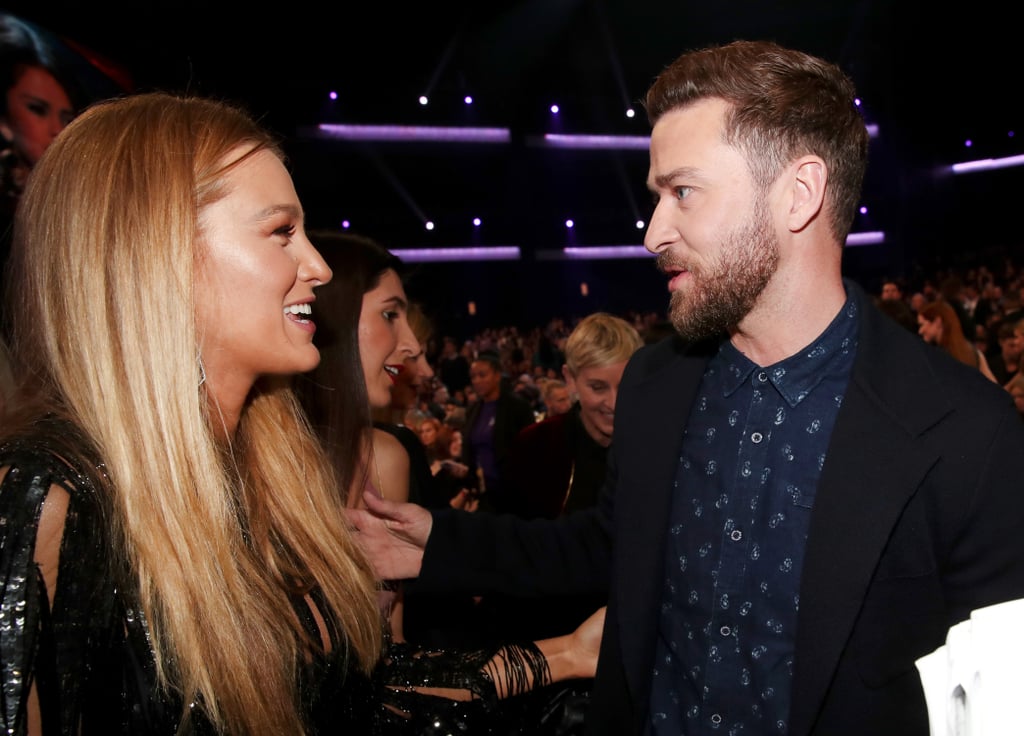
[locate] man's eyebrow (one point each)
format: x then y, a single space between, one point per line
662 181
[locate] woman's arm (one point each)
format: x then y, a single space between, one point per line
29 564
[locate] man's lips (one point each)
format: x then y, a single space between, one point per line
676 277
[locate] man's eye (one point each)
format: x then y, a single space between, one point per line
682 192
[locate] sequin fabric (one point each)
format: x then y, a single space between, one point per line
91 661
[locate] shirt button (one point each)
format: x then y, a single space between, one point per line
725 631
716 719
762 376
756 438
736 535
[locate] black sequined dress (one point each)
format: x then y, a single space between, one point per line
90 658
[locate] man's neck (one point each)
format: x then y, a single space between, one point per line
788 316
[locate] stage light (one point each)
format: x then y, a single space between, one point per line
554 109
968 143
409 133
458 255
345 224
476 221
429 225
863 210
640 224
423 100
569 224
987 164
333 95
468 100
606 252
630 113
869 238
611 142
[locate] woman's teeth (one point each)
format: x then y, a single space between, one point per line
299 310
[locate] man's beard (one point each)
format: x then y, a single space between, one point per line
721 293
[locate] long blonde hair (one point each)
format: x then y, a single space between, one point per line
220 540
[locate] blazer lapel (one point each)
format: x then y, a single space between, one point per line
648 435
874 466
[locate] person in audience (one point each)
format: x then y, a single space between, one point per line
492 423
452 366
556 397
557 466
1005 362
892 291
173 540
801 498
1016 388
939 325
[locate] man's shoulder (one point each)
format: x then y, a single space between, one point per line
666 352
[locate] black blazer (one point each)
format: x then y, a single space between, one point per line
918 520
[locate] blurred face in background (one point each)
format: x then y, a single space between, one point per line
38 109
929 330
559 401
485 379
428 432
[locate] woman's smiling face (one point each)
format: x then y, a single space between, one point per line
385 338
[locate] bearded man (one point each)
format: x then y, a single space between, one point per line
803 497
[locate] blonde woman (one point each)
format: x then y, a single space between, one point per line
174 554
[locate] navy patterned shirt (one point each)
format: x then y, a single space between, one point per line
752 453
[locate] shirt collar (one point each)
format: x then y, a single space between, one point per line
796 376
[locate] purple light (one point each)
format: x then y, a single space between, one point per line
630 112
1009 134
856 101
640 224
333 95
455 255
407 133
968 143
987 164
869 238
345 224
872 129
423 100
863 210
429 225
468 100
569 224
612 142
606 252
554 109
476 221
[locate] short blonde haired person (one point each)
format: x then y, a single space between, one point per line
600 339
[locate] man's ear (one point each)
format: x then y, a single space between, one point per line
808 179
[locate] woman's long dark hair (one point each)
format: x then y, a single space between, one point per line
334 394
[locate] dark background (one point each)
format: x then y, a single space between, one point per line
929 78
